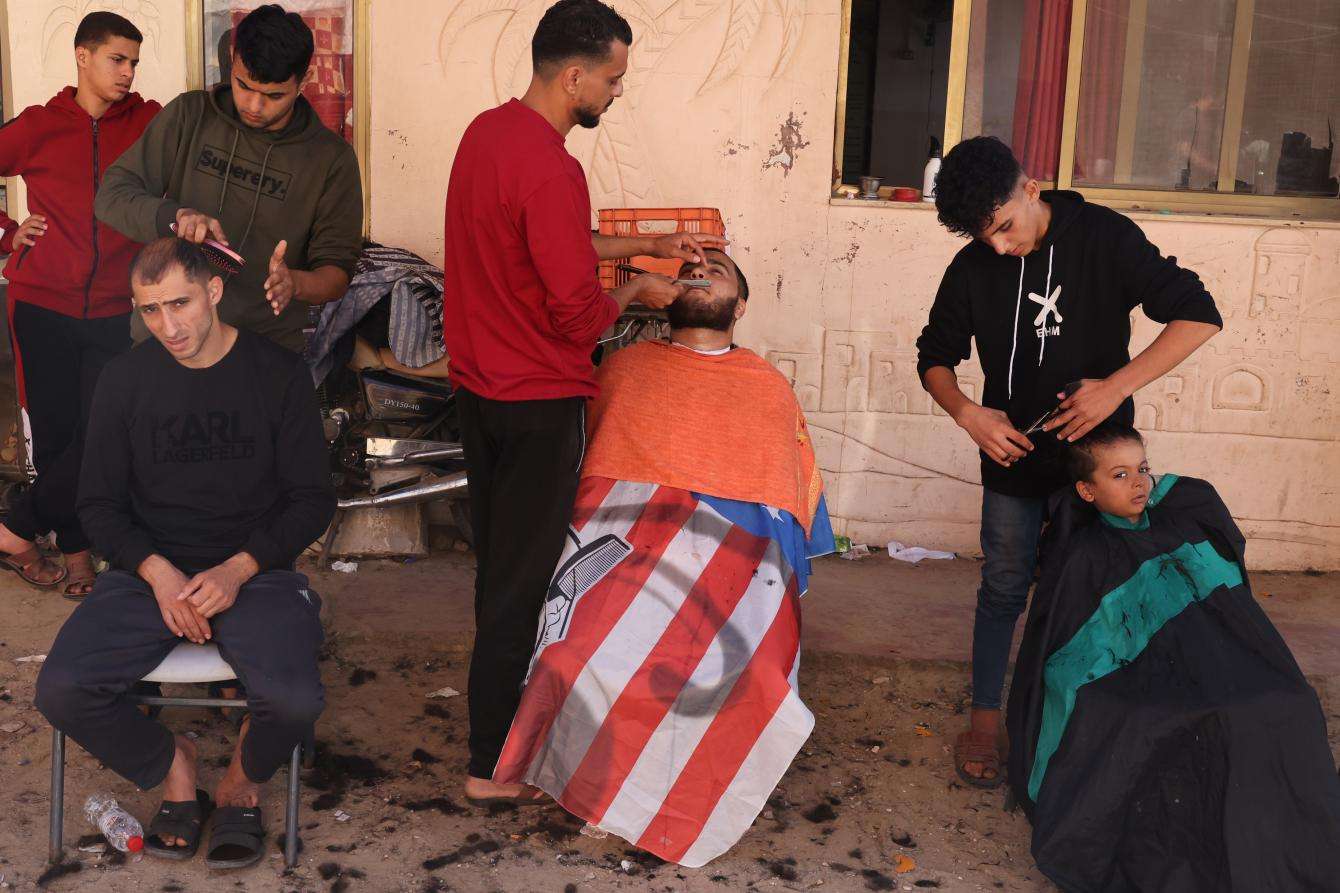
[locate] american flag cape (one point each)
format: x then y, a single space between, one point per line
661 703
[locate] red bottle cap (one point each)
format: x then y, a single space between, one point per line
135 844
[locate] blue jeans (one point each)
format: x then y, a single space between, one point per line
1011 527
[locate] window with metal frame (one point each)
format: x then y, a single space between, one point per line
1209 106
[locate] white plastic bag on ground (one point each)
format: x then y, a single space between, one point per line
913 554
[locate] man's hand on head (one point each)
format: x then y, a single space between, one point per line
685 246
196 227
167 582
215 590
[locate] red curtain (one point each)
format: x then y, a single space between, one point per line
1040 97
330 88
1100 89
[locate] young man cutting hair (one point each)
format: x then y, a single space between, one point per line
1046 289
250 165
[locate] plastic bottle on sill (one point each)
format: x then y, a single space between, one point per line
932 170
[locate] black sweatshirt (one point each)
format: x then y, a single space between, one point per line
1059 314
197 465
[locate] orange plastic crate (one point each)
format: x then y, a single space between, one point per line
652 222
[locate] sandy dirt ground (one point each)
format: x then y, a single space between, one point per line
871 803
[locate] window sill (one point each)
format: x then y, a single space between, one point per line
881 204
1134 212
1226 217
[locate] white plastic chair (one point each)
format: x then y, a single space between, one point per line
191 664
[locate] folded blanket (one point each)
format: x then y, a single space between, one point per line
414 331
662 702
675 417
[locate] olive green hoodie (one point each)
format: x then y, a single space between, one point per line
300 184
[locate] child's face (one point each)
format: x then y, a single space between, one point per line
1121 483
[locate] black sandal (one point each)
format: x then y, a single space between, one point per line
178 818
236 837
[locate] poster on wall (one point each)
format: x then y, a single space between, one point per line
330 79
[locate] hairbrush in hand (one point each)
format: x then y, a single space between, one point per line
220 255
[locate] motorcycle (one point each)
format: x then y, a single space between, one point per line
394 439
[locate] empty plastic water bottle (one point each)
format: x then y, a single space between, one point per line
120 828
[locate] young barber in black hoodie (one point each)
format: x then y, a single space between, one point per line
1046 288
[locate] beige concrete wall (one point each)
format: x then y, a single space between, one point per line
731 104
1256 412
38 53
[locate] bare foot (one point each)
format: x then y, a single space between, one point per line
179 786
235 789
11 542
485 789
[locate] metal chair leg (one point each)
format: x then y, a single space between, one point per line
291 810
332 532
57 848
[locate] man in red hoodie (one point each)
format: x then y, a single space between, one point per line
69 283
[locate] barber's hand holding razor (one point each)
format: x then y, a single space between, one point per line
994 434
167 582
650 290
215 590
196 227
685 246
1085 407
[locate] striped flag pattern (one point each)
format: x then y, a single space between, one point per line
662 702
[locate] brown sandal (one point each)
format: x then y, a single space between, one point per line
23 562
81 574
974 747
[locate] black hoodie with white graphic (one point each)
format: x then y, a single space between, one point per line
1057 315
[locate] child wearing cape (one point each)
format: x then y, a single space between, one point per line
1162 736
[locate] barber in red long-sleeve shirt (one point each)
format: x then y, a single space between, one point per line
522 312
69 284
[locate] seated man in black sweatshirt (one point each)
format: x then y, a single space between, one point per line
206 479
1046 288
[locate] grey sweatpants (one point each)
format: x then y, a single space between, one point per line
271 637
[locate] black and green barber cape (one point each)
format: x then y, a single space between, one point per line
1162 736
